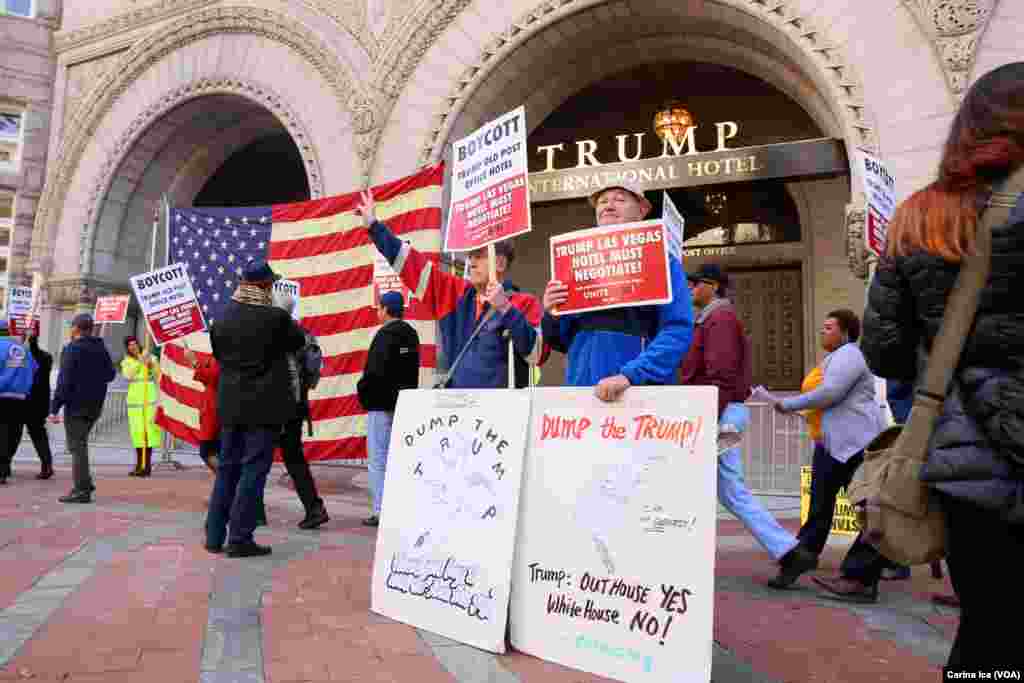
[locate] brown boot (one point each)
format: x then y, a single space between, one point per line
848 590
147 462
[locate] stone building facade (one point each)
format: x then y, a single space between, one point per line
131 100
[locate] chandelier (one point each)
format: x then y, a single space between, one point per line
672 121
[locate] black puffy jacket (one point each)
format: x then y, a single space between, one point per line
977 449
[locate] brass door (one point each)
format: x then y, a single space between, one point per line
770 304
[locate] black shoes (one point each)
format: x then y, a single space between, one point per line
77 497
47 473
315 517
248 549
215 549
372 521
849 590
792 565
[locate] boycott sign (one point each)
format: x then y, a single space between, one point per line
19 308
292 289
169 303
614 565
445 543
612 266
674 226
111 309
880 188
490 196
844 519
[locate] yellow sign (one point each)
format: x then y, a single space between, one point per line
844 520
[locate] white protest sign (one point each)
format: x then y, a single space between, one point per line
615 552
19 308
674 226
490 196
290 288
448 519
169 303
880 189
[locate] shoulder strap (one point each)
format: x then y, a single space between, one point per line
958 316
465 347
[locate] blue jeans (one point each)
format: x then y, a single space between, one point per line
378 437
737 498
247 452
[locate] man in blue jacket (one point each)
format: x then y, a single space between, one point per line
17 371
621 347
85 371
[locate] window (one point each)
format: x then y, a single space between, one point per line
6 210
11 129
21 8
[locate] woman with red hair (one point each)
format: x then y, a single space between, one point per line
976 456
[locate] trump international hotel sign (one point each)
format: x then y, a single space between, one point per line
572 169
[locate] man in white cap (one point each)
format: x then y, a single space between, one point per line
615 349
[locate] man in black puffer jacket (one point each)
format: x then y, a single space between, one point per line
392 364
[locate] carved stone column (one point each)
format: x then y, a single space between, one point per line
856 251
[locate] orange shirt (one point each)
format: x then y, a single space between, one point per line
811 382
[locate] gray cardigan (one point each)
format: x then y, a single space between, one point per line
852 416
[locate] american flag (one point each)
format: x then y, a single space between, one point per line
322 245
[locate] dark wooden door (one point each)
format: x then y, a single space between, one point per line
770 304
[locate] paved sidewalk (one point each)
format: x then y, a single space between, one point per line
123 591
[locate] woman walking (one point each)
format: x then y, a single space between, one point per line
141 369
976 455
842 417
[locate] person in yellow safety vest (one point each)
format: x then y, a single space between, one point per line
141 370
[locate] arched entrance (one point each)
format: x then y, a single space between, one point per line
213 150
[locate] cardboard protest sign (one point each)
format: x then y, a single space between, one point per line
844 519
615 552
448 522
880 189
291 288
169 303
613 266
111 309
490 196
675 226
19 309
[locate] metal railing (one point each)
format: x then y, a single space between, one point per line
775 448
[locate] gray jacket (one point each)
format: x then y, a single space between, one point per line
852 416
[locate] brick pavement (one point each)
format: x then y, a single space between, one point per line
123 591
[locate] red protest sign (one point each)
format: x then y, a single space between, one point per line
613 266
490 196
111 309
17 325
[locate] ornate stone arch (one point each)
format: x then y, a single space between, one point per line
189 29
827 58
223 85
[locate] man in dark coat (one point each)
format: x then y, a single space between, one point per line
250 341
392 364
85 371
35 409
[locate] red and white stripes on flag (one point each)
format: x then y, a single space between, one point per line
324 246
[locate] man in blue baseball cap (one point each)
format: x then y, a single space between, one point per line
250 341
392 364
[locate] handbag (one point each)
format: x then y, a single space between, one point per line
443 380
899 514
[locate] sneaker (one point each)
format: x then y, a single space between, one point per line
373 520
248 549
315 518
792 565
77 497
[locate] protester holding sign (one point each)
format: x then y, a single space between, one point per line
622 347
35 409
141 369
478 318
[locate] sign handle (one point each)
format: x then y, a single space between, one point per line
492 267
